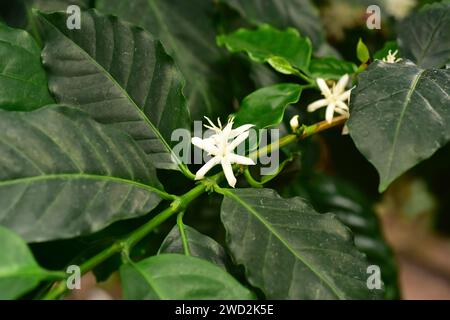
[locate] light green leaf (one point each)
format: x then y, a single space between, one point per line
199 245
19 272
286 51
316 252
265 107
64 175
187 30
424 37
179 277
120 76
299 14
400 116
23 82
330 68
362 52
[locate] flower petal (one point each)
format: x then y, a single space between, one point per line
317 105
341 85
205 144
237 141
235 132
330 112
228 170
235 158
206 167
323 87
342 105
345 96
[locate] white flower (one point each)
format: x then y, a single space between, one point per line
221 146
294 123
335 99
392 57
399 8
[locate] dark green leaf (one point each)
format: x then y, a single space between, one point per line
330 68
265 107
267 233
399 116
355 210
424 37
56 5
286 51
199 245
120 76
299 14
19 272
63 174
23 83
187 30
179 277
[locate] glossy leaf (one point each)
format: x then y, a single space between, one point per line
286 51
424 37
330 68
64 175
187 30
23 82
400 116
123 78
179 277
265 107
199 245
19 271
315 251
299 14
355 210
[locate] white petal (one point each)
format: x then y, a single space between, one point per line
317 105
206 167
330 112
342 112
342 105
342 84
205 144
235 132
323 87
228 170
237 141
345 130
345 96
234 158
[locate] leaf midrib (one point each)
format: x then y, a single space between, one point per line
74 176
279 237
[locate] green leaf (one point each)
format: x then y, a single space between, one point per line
19 271
424 37
355 210
286 51
330 68
265 107
179 277
56 5
187 30
23 82
362 52
122 78
388 46
400 116
199 245
299 14
315 251
64 175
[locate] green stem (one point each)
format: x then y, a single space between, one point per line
183 233
179 204
251 180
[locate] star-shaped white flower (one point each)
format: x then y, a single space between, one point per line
392 57
221 146
335 98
